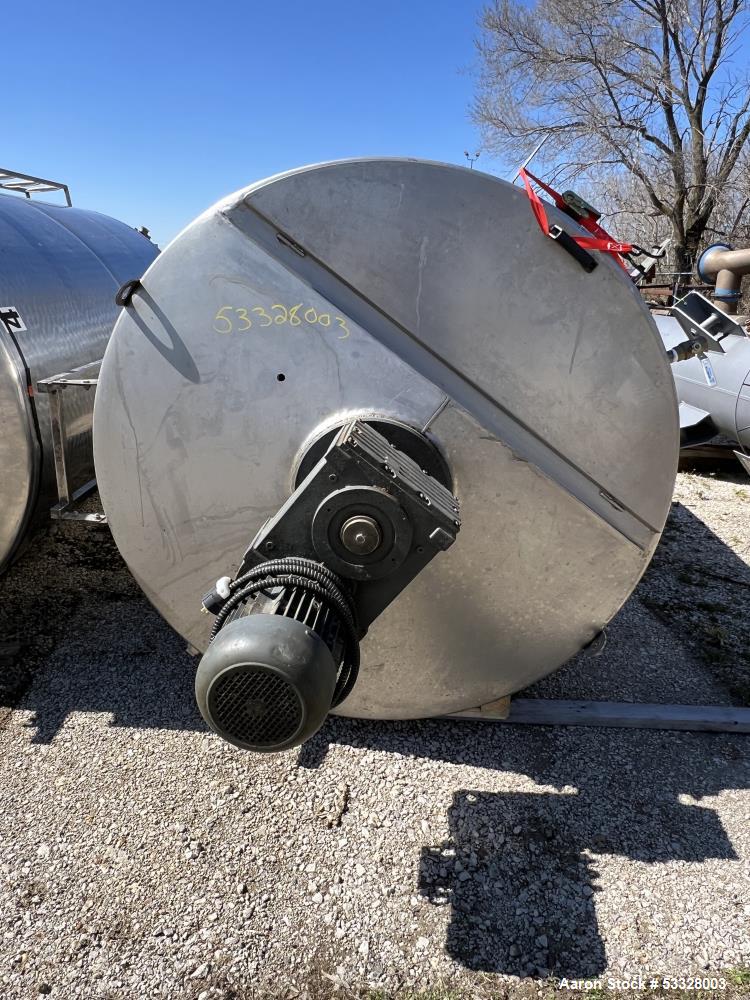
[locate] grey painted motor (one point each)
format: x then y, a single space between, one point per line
266 687
372 400
60 268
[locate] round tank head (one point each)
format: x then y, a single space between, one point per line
423 295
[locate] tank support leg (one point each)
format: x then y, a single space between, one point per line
85 377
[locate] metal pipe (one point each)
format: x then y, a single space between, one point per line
725 268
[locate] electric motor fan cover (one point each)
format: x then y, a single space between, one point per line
393 294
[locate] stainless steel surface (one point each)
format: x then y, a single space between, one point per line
422 293
728 401
19 448
59 268
57 426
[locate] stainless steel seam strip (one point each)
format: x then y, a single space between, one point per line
486 410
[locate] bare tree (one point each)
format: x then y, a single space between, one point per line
656 91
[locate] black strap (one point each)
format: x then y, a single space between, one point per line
584 258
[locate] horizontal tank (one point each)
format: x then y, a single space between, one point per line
371 402
60 268
714 391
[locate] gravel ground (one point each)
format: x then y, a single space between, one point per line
695 596
142 857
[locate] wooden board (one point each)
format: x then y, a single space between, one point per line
544 712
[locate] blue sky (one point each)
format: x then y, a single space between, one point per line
153 111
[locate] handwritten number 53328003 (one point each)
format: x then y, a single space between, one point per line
231 319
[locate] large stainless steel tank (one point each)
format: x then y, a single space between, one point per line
426 295
60 268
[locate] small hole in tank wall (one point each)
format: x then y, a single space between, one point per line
280 377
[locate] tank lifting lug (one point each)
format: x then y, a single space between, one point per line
125 292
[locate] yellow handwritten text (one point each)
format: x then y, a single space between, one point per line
231 319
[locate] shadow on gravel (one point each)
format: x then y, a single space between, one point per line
700 588
529 907
520 870
82 637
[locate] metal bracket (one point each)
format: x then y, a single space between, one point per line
28 184
644 269
87 377
701 320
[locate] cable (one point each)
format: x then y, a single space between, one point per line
316 579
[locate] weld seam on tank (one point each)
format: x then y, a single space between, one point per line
536 571
480 405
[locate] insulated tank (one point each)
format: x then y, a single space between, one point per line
370 400
60 268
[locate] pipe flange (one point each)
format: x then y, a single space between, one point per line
728 294
334 532
707 278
